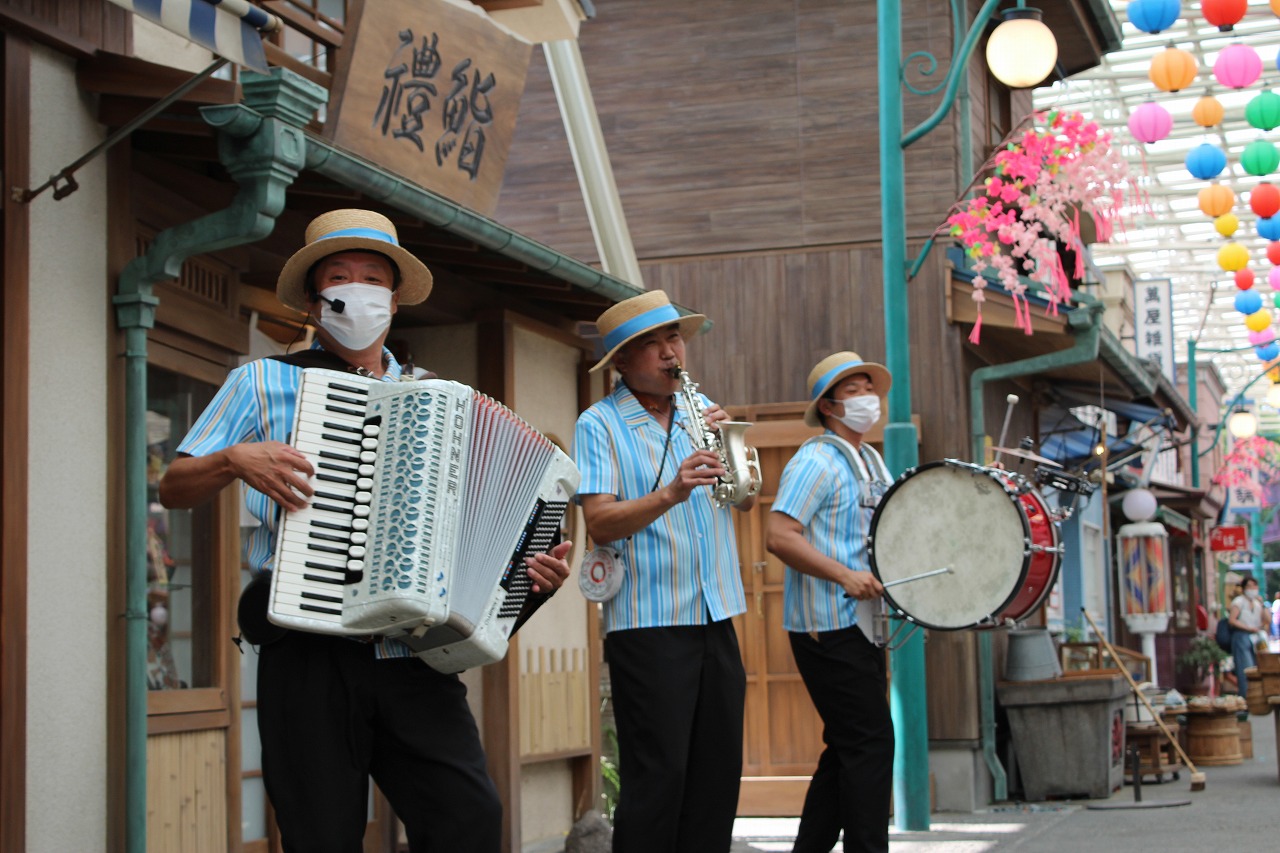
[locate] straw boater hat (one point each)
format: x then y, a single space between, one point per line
631 318
831 370
347 231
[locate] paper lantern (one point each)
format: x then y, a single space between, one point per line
1248 302
1237 66
1138 505
1208 111
1206 161
1173 69
1268 353
1275 300
1275 7
1223 14
1226 224
1216 200
1260 158
1264 200
1261 339
1153 16
1273 279
1151 122
1273 252
1244 278
1263 111
1258 321
1269 228
1232 257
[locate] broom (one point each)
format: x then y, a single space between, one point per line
1197 778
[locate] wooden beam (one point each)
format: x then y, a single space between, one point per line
15 358
109 74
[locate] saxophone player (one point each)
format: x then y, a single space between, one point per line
677 676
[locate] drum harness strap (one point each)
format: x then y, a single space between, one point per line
872 614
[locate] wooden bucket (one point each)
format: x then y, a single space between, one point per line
1256 698
1213 739
1246 738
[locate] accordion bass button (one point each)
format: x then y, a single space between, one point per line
368 456
364 484
363 497
360 524
355 552
355 565
371 429
365 470
361 511
369 443
359 538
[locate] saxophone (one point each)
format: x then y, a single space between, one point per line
728 441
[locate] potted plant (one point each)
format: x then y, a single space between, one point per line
1202 658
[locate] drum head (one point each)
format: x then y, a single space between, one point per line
956 516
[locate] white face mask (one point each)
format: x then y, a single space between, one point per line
1253 593
365 314
860 413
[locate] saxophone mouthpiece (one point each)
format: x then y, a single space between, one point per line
675 371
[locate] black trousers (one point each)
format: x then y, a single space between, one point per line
678 696
851 789
330 716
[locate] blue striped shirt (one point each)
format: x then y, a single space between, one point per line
257 403
683 568
819 490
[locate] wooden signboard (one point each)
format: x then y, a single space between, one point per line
429 89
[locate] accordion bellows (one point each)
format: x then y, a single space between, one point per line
428 497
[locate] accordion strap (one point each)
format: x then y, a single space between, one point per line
313 358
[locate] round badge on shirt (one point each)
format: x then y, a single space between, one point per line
600 575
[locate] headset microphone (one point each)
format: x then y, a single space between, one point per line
336 304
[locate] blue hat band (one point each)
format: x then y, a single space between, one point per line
367 233
828 377
660 316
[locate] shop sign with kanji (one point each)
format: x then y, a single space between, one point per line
430 90
1153 322
1229 537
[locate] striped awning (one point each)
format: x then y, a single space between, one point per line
230 28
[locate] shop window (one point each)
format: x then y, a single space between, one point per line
186 549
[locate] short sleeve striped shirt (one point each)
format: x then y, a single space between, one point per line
819 490
683 568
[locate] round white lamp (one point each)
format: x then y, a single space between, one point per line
1242 424
1273 395
1022 50
1138 505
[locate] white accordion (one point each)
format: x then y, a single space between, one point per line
428 497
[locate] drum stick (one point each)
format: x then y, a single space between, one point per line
947 570
1197 778
1012 400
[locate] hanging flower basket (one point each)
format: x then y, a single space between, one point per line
1040 184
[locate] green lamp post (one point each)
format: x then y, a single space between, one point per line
1020 49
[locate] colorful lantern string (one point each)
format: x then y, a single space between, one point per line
1232 257
1258 321
1208 111
1261 339
1273 252
1264 200
1226 224
1269 228
1263 111
1206 161
1216 200
1248 302
1173 70
1244 278
1153 16
1237 66
1151 122
1273 278
1260 158
1223 14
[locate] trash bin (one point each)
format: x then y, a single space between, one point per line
1068 734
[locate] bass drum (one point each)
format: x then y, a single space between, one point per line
990 527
